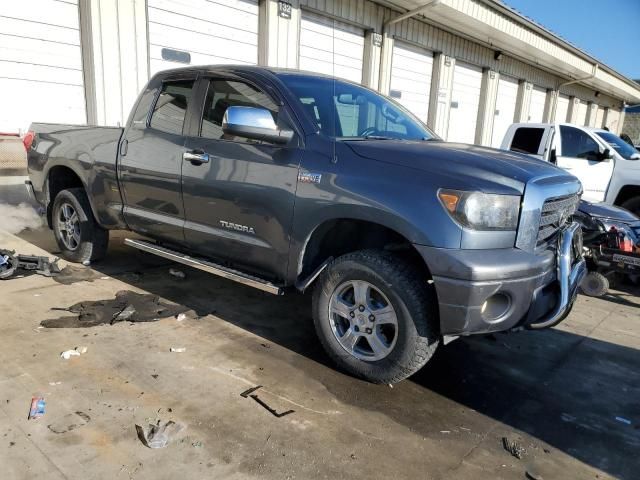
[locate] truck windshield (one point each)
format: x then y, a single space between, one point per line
346 111
623 148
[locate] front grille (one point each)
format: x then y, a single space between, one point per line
554 215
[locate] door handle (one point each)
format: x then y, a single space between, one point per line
196 157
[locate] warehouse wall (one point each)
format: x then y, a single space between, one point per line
117 58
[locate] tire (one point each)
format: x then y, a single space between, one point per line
594 284
633 205
390 282
80 240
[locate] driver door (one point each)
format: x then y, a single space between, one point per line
580 155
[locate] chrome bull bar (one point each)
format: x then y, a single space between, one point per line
570 270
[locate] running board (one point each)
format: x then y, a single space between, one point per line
205 266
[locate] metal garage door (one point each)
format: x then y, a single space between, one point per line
562 108
331 47
465 98
536 108
600 117
411 70
505 108
40 64
581 117
202 32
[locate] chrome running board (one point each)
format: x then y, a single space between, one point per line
205 266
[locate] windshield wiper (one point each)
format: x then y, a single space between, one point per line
377 137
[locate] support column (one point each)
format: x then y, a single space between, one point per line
386 54
574 105
618 129
279 33
523 101
371 65
487 107
592 111
114 56
440 101
550 106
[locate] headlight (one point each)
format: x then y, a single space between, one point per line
481 211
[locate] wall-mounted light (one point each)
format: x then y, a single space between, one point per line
597 94
497 55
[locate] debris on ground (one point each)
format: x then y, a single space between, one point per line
249 394
54 384
626 421
11 264
177 273
158 435
76 352
69 422
513 447
126 306
177 349
180 317
37 408
532 475
73 274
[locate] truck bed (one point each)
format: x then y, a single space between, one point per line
87 154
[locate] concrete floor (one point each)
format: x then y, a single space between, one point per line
557 393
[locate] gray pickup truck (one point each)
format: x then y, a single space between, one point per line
284 180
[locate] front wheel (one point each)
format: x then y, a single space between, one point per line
633 205
376 316
77 233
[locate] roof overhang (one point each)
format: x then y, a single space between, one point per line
494 24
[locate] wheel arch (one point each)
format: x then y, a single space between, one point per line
339 236
62 177
626 193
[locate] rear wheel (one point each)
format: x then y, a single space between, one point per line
78 235
376 316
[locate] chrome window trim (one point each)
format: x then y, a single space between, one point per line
536 192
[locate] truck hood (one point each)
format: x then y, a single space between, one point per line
482 167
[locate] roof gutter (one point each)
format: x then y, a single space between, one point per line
410 13
571 82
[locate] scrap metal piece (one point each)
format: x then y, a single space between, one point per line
10 263
249 394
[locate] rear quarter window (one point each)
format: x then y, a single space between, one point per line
527 140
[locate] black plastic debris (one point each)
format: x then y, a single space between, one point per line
11 264
126 306
249 394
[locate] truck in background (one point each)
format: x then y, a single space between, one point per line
607 166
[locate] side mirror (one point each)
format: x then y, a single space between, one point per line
605 154
254 123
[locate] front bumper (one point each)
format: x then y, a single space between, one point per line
482 291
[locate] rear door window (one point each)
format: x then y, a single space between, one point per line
171 106
527 140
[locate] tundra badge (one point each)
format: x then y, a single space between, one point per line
237 227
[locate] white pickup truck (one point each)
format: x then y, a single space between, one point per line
607 166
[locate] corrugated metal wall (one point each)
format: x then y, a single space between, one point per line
419 32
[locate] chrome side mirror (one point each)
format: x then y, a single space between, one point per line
254 123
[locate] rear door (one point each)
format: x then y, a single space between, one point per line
239 204
150 169
578 154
